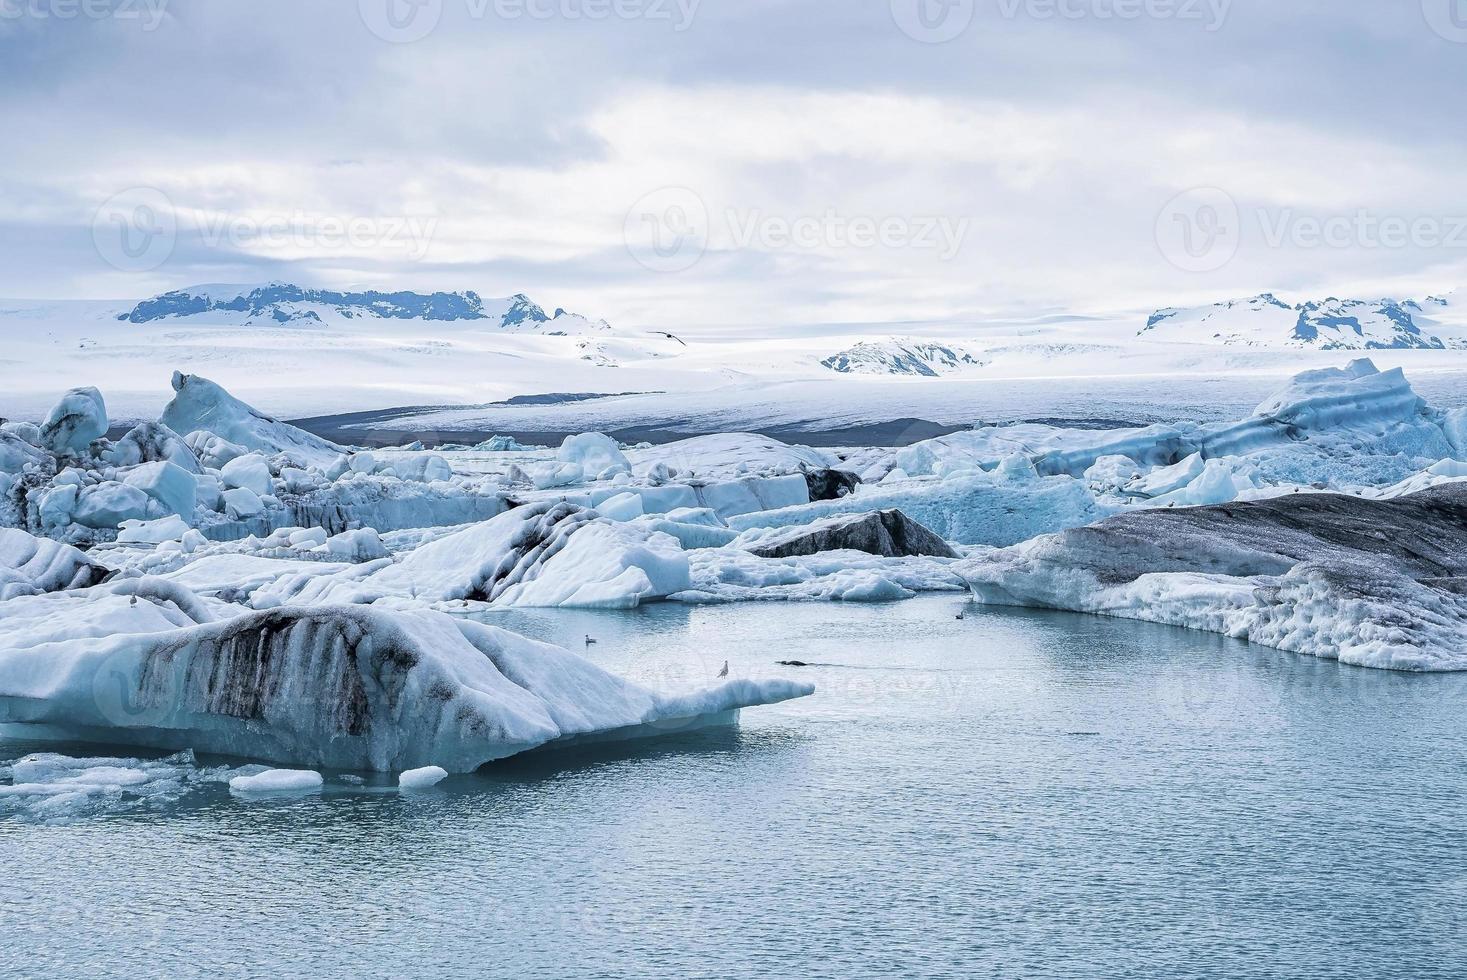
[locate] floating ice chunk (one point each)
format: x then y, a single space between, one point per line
308 537
208 492
200 404
300 481
174 487
152 442
52 788
704 516
171 528
545 554
360 545
750 494
556 475
422 467
1372 583
242 502
967 510
595 453
58 505
1110 473
242 574
107 505
622 507
16 453
734 575
249 472
27 432
729 454
278 781
29 564
424 778
1165 479
344 687
1454 425
78 419
859 586
888 533
692 535
213 451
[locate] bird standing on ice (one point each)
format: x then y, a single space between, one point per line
590 639
724 671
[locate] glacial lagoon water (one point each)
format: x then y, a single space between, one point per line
1013 794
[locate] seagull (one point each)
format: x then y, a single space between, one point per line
961 615
590 639
724 671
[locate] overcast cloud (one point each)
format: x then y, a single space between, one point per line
675 162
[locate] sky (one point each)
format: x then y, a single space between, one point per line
680 163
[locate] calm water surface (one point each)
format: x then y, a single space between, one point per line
1011 795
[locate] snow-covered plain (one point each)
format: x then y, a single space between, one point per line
215 579
478 365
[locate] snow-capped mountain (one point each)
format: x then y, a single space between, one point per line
286 303
904 357
1330 324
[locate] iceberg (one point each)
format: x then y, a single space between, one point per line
278 781
545 554
144 662
888 533
201 405
1375 583
29 565
77 420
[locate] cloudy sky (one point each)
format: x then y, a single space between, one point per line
727 162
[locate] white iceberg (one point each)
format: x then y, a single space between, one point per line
345 687
201 405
